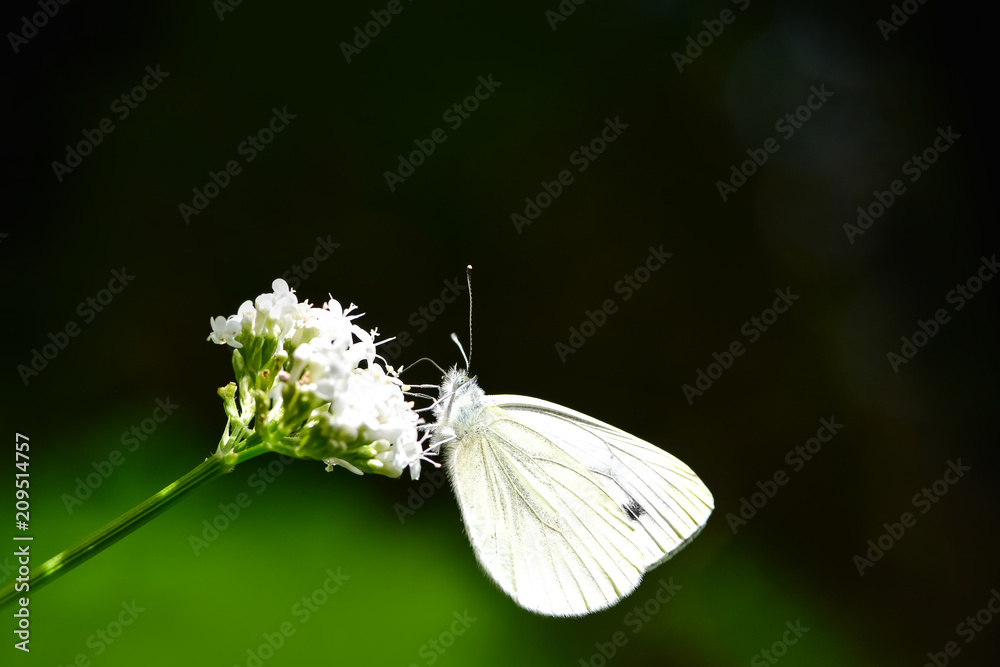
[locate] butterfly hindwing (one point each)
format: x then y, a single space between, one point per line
565 513
543 526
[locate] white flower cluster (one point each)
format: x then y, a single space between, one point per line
356 402
280 316
373 407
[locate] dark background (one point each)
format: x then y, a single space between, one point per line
323 176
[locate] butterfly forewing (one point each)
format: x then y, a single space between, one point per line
650 487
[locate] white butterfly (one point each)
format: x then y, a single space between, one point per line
565 513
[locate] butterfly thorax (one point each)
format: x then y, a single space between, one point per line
460 400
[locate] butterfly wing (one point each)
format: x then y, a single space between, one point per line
564 512
654 489
541 525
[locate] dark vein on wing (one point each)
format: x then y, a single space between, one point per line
583 523
606 434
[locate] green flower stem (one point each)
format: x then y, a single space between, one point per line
212 467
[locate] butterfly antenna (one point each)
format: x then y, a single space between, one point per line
454 338
418 395
406 368
461 349
468 281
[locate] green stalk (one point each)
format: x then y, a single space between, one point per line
212 467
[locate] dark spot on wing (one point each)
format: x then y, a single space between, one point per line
633 509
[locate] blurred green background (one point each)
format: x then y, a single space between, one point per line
323 177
